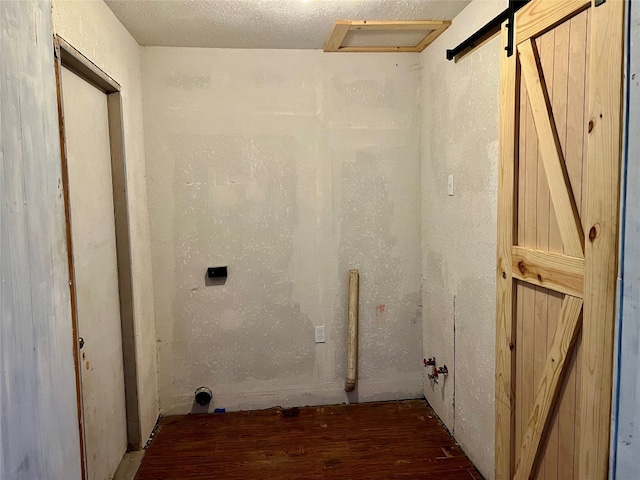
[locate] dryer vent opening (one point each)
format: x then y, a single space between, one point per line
203 396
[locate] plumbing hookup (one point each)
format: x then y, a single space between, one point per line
435 371
352 332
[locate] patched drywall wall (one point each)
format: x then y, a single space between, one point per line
626 426
39 437
460 117
91 28
289 167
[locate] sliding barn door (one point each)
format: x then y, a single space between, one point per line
557 239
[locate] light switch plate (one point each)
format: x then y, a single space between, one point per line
320 334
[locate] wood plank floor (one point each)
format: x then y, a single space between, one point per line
391 440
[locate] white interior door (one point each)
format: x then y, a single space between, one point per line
96 275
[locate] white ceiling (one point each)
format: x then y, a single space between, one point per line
304 24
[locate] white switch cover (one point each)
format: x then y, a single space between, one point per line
320 334
450 185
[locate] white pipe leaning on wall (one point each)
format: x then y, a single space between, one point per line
352 335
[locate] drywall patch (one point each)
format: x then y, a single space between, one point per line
366 93
231 320
367 243
188 82
250 331
269 172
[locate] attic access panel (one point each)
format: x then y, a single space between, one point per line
393 35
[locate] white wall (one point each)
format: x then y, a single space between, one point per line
460 118
626 432
38 412
290 167
91 27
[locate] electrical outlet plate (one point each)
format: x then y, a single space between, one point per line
320 334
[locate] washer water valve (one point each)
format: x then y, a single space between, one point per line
430 362
436 371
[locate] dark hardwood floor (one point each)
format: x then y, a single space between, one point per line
391 440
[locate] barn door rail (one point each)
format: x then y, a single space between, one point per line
490 29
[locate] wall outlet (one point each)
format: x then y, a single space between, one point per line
450 186
320 334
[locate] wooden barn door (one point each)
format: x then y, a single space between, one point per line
557 239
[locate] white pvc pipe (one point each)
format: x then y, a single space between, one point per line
352 335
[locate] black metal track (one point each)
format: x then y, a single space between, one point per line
490 28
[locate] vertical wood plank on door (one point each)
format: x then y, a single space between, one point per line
529 239
520 286
576 71
545 47
559 94
509 114
518 430
602 182
585 148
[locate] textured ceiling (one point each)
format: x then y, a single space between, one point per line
262 23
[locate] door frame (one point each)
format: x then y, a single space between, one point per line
601 219
69 57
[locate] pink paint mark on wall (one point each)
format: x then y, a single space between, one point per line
380 309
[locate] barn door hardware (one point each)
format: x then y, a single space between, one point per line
436 372
514 6
490 29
